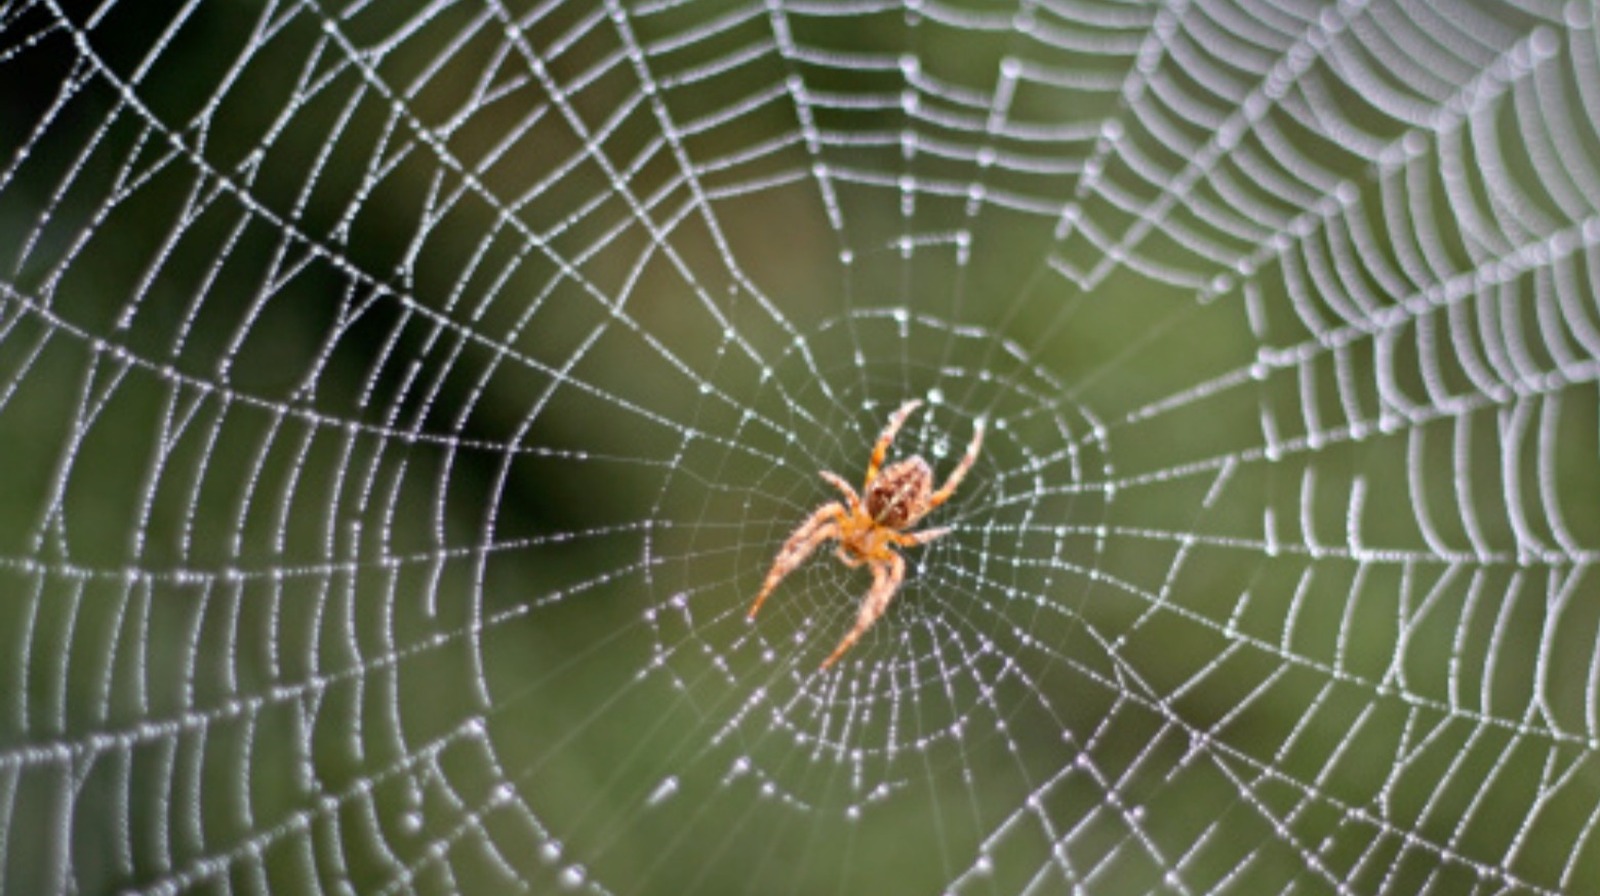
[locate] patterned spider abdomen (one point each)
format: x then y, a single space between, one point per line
900 493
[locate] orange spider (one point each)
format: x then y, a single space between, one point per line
867 530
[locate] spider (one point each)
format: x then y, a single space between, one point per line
868 529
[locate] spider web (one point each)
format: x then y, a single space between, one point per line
401 402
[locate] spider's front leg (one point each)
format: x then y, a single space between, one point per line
881 450
960 472
886 577
818 527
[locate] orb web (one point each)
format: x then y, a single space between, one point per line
401 403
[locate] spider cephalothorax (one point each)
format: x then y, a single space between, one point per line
868 528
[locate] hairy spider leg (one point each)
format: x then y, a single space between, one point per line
958 474
881 450
837 481
912 539
818 527
886 578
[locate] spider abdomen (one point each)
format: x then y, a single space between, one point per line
898 495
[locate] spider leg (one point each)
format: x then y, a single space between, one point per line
849 559
818 527
837 481
880 450
958 474
912 539
886 578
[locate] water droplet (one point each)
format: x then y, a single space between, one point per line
572 876
551 851
664 791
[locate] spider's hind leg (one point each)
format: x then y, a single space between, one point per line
818 527
886 578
